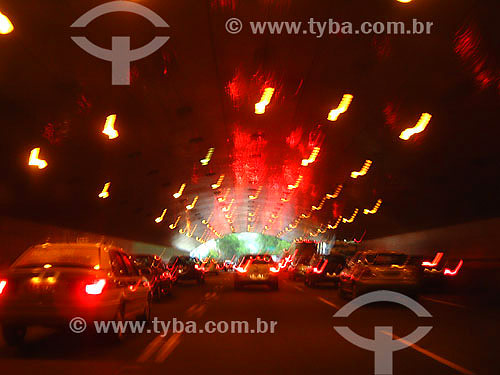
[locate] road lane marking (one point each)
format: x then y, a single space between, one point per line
150 349
191 310
431 355
298 288
168 347
328 302
445 302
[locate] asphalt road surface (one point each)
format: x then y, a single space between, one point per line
464 338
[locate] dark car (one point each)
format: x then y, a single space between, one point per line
155 270
186 268
325 269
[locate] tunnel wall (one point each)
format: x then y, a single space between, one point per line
476 243
17 235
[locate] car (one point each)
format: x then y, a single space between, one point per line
299 266
325 269
52 283
210 266
185 268
376 270
155 270
255 270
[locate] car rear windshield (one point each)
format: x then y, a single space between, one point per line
386 259
68 256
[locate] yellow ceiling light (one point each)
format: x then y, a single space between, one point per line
418 128
223 198
297 183
6 26
174 225
109 127
35 161
337 223
320 206
218 183
312 157
351 219
181 190
105 191
260 107
193 204
363 170
343 106
256 195
336 193
374 209
208 156
159 219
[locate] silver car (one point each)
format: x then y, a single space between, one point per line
375 270
50 284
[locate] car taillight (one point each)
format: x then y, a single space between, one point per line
96 287
434 262
3 284
274 269
316 270
165 275
449 272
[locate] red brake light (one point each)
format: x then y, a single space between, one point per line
274 269
449 272
96 287
3 283
316 270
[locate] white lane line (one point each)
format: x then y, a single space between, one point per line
191 310
445 302
298 288
168 347
328 303
150 349
429 354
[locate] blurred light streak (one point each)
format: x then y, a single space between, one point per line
35 161
320 206
105 193
363 170
6 26
218 183
374 209
336 193
342 108
449 272
297 183
260 107
174 225
257 193
109 127
181 190
337 223
418 128
159 219
435 261
351 219
223 198
312 157
208 157
191 206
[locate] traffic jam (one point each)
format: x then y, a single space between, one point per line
249 187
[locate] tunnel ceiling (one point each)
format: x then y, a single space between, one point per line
199 92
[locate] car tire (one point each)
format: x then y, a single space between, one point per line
13 334
118 336
201 280
146 315
274 286
342 291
